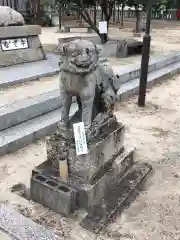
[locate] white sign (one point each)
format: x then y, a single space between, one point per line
13 44
80 138
103 27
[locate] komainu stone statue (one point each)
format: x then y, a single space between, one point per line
10 17
91 82
102 180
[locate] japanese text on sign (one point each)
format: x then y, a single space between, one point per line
13 44
80 138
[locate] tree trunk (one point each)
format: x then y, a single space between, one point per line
95 15
122 16
60 15
114 13
118 14
102 15
137 30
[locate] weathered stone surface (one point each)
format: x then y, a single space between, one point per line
116 198
19 31
53 194
21 111
100 151
20 227
91 192
68 28
34 42
34 52
128 47
14 57
82 75
30 131
22 73
10 17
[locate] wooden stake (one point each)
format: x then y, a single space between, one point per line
63 169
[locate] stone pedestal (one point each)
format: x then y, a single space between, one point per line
20 44
92 177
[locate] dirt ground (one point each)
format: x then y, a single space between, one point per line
155 132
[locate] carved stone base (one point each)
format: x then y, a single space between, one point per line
95 179
100 151
89 192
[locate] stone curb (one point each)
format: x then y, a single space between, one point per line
26 72
19 74
16 137
130 73
132 87
22 228
21 111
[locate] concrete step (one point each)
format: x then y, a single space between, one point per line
129 73
30 119
16 137
26 109
132 87
29 72
22 73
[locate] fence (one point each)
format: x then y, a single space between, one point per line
117 14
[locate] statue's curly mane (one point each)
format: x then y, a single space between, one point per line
79 56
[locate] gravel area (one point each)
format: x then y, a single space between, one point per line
155 131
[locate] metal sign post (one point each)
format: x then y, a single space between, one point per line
145 58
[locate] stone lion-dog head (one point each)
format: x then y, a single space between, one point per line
79 56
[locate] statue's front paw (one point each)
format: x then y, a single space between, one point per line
62 125
63 130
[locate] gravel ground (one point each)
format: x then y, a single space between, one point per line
155 131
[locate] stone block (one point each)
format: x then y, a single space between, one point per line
34 42
21 111
107 176
19 136
128 47
99 152
22 73
19 31
53 194
66 29
91 192
33 53
20 227
116 198
14 57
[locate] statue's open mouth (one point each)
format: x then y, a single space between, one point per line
83 64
